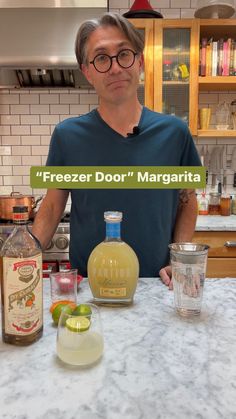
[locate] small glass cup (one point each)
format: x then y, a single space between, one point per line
188 262
64 286
80 337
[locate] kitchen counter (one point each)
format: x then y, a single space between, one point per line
216 223
155 364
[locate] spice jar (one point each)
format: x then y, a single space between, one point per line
225 205
214 203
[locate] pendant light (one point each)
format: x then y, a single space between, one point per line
142 9
218 9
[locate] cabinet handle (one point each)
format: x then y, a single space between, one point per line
230 244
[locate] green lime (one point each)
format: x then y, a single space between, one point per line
68 308
78 324
83 310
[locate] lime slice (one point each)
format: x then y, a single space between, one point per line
78 324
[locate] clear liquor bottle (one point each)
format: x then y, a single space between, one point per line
113 266
21 283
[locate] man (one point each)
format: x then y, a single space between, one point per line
109 51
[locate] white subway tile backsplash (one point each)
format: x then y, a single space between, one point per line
4 109
6 170
79 109
39 150
59 109
88 99
45 139
5 150
43 160
157 4
171 13
49 98
180 3
30 99
8 99
21 150
69 98
40 129
6 190
5 130
26 180
34 160
24 190
30 139
11 140
12 180
29 119
10 119
187 13
49 119
119 4
39 109
12 160
19 109
20 130
21 170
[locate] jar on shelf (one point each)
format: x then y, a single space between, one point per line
225 205
214 203
203 204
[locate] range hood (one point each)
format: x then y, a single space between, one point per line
37 41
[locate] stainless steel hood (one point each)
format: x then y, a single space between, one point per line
37 41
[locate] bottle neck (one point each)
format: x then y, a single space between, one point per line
112 231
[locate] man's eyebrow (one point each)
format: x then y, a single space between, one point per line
104 49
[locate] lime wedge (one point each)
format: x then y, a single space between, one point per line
78 324
82 310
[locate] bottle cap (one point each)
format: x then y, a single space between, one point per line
113 216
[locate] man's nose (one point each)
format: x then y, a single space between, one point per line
115 67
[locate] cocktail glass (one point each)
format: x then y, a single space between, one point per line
80 337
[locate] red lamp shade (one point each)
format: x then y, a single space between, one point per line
142 9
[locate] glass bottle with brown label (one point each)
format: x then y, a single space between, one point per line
21 283
113 266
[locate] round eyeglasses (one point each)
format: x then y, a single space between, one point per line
103 62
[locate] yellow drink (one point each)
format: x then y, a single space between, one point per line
113 271
79 348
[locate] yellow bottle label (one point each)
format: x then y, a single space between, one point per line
113 292
22 295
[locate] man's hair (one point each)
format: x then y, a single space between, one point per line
107 19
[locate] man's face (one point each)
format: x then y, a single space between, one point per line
118 84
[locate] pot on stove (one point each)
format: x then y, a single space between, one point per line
7 202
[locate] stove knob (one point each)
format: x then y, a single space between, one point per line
50 245
62 242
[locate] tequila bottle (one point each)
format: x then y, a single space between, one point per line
21 283
113 266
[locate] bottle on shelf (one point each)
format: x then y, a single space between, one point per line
21 283
203 204
214 203
113 266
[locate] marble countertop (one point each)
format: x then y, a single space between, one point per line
216 223
155 364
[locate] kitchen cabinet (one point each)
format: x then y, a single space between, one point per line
171 83
221 257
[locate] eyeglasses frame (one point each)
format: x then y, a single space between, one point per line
111 58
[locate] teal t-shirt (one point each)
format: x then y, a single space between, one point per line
148 214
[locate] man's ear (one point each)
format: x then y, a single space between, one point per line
86 73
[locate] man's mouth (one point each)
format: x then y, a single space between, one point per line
114 82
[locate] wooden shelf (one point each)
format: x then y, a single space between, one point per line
175 82
217 83
216 133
